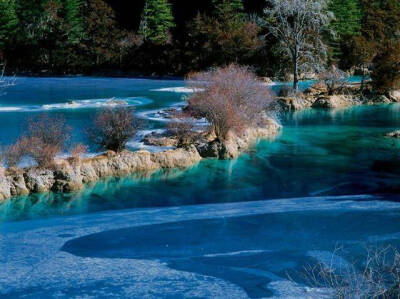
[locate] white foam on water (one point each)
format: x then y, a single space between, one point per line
137 144
80 104
154 115
179 89
159 116
9 109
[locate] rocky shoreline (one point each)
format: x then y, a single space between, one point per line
349 95
70 175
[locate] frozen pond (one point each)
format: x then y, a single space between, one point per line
236 250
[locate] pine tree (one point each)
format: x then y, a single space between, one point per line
157 21
348 15
8 21
232 9
347 22
73 20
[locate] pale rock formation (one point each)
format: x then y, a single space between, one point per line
335 101
395 134
237 143
69 175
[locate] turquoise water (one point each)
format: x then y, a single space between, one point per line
318 152
221 229
32 96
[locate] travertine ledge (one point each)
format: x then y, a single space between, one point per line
70 176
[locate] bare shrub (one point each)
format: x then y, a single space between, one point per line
42 153
77 152
50 130
376 276
182 129
113 127
334 79
13 154
230 98
45 137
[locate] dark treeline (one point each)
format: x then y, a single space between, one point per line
173 37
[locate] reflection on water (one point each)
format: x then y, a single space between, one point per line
318 153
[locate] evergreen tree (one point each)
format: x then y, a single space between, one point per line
228 8
157 21
348 15
8 21
103 34
346 23
73 20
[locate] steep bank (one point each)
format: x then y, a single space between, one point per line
70 176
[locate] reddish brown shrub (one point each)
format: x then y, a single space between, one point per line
386 69
45 138
13 154
49 130
113 127
230 98
76 152
182 129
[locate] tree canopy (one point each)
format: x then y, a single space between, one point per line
157 21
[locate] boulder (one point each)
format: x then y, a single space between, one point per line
67 179
334 101
159 140
267 80
38 180
5 189
236 143
295 103
178 158
17 185
394 96
395 134
210 149
317 89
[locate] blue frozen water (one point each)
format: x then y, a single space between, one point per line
236 250
174 244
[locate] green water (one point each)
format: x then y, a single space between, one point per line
318 153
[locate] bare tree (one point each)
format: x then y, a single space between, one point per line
230 98
113 127
5 82
298 25
333 78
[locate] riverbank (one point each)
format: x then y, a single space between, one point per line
70 175
317 96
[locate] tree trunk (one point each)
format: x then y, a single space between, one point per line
362 80
295 74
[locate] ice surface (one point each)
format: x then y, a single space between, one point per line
234 250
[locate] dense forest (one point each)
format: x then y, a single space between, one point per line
175 37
